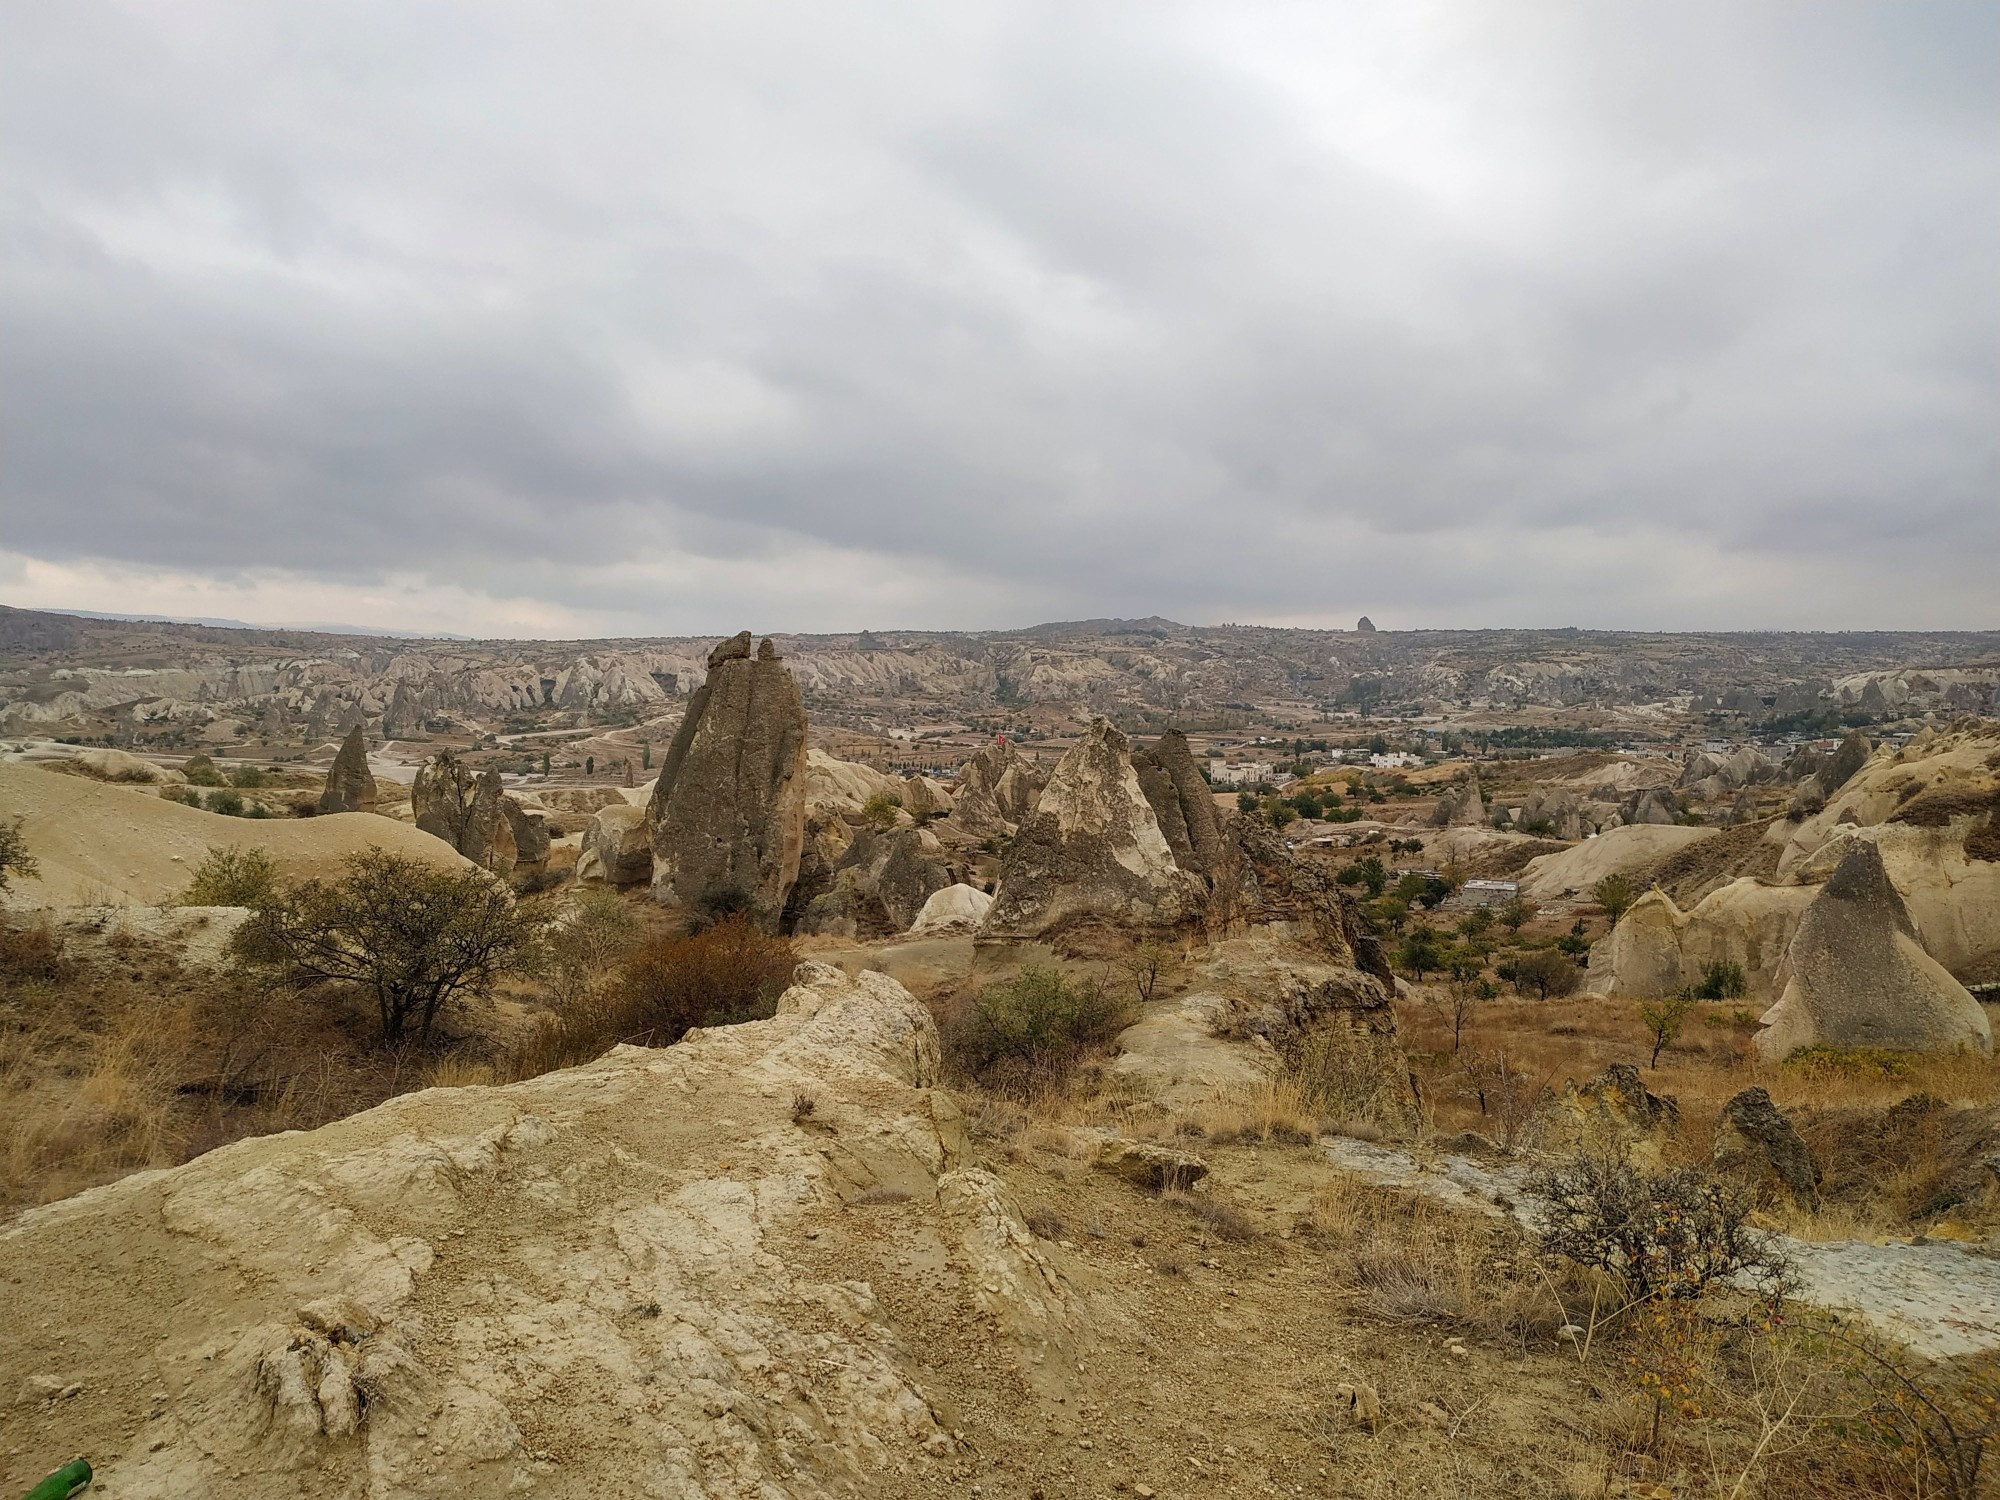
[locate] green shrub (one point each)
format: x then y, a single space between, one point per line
202 771
231 876
1031 1031
228 802
1721 979
880 810
14 856
248 777
1615 893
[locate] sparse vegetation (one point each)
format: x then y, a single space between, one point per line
232 876
1615 893
15 860
1028 1034
413 937
1664 1020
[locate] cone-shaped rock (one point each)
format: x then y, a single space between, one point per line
1181 800
1092 853
1856 976
728 815
350 785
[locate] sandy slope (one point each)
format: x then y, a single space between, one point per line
1621 851
100 844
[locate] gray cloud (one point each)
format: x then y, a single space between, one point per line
656 318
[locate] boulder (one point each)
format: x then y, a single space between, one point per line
530 834
617 848
1615 1113
350 785
925 797
1092 854
955 909
1855 975
1757 1148
728 811
1151 1166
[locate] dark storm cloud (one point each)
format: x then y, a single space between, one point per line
646 317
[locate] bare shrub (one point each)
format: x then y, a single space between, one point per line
35 953
1226 1223
14 856
586 942
1664 1234
1044 1223
878 1196
728 972
1029 1033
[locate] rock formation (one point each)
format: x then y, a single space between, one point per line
1658 950
1616 1114
1183 803
880 885
451 803
728 812
1461 807
995 793
953 910
350 785
553 1287
1756 1147
1855 974
925 797
1560 809
617 848
1092 853
1365 626
1653 804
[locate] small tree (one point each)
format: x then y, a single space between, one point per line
1145 963
1420 953
1547 972
1516 914
880 810
1663 1020
412 935
230 876
14 856
1457 1001
1615 893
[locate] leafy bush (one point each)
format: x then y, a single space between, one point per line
228 802
248 777
726 973
880 810
414 937
1664 1234
587 942
1032 1030
1663 1020
1548 973
202 771
229 876
1721 979
1369 873
1615 893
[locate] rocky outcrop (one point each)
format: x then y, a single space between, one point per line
728 811
555 1286
1461 807
1855 975
468 812
1092 854
1658 950
617 848
880 886
1615 1113
924 797
1653 804
350 785
953 910
1182 801
996 791
1757 1148
1555 812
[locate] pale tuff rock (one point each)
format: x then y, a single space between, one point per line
560 1286
1092 853
955 909
1856 976
119 765
1462 807
617 848
350 785
925 797
841 788
1560 809
1651 804
996 791
728 811
1658 950
1621 851
476 816
1615 1113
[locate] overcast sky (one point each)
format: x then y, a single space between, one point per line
608 318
